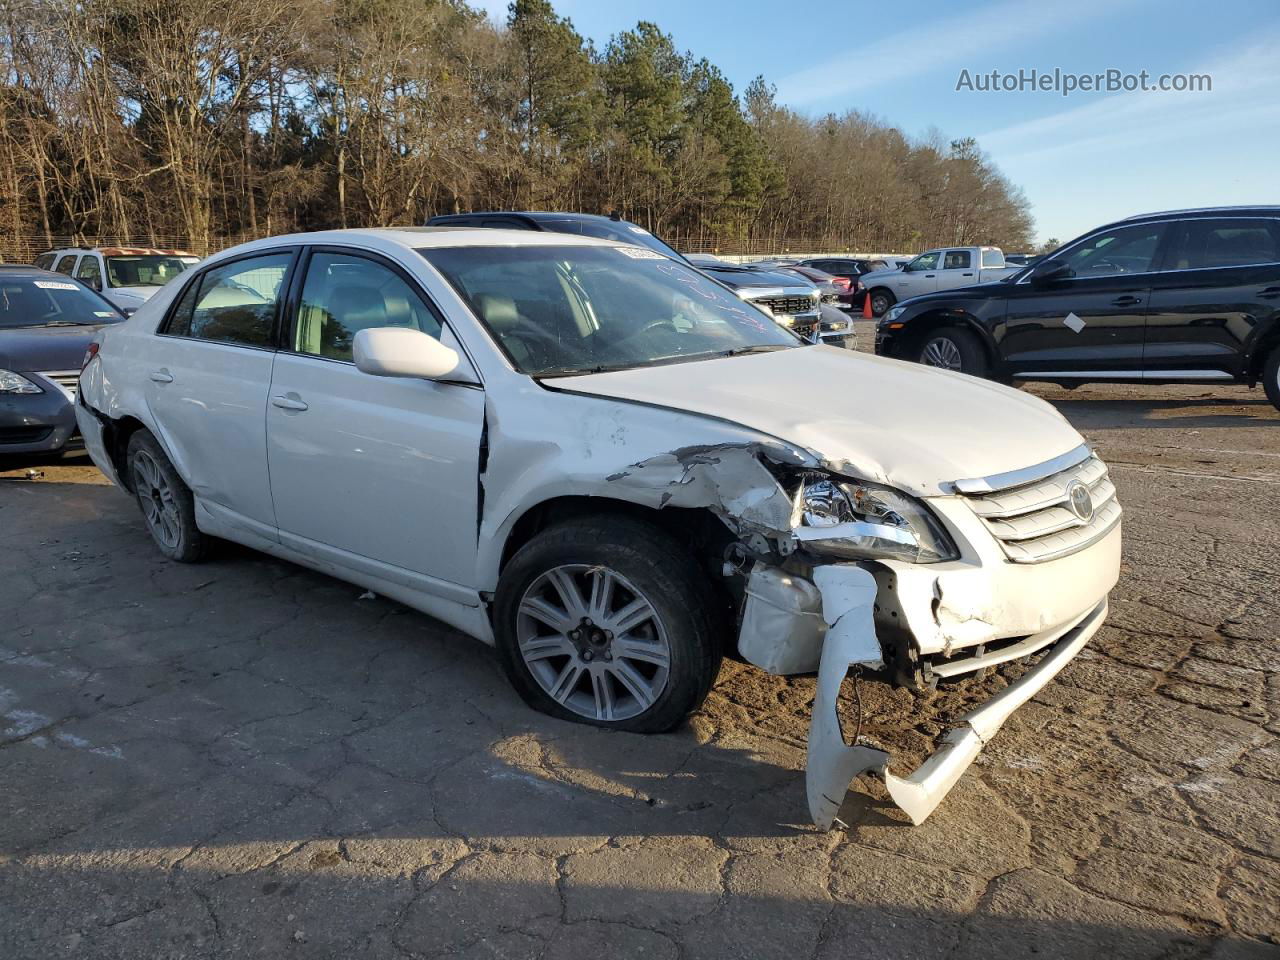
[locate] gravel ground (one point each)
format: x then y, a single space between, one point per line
244 759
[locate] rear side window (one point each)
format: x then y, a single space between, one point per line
345 294
1209 244
66 264
957 260
992 258
234 303
45 261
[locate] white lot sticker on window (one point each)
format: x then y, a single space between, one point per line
1074 322
640 253
55 285
104 313
634 229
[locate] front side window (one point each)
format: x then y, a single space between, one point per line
234 303
1112 252
66 264
1210 244
90 272
344 294
567 310
957 260
143 270
926 261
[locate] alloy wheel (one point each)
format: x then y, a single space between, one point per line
942 352
156 498
593 642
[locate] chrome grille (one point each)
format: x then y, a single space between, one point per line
68 380
788 305
1035 522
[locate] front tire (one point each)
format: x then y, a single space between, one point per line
881 301
166 502
1271 376
607 621
950 348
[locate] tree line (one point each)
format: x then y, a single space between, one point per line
211 121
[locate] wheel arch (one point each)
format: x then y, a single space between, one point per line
1267 342
934 320
699 529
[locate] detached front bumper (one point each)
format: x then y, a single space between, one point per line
937 620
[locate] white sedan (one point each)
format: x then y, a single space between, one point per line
609 466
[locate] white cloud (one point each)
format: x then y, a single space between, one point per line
937 43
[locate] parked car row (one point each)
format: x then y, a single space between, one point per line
594 456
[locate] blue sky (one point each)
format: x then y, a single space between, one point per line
1082 159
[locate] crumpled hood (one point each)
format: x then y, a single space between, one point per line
915 427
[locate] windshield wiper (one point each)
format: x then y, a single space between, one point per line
582 371
755 348
65 323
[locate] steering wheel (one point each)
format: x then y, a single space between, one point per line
654 325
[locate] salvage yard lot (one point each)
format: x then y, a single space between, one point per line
245 759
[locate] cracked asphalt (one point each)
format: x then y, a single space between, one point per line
245 759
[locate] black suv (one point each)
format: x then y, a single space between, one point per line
1188 296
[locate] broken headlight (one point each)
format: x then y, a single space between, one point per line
865 521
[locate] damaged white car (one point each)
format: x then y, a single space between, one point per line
615 470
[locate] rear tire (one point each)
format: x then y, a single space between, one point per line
950 348
1271 376
166 502
608 621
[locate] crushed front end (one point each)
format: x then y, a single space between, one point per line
996 569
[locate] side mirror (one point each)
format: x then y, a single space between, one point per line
404 352
95 282
1046 271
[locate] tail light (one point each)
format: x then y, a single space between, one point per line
90 352
841 282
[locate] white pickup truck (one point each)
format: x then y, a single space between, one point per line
939 269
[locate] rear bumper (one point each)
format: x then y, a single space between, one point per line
38 422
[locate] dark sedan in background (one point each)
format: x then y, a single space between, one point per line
47 322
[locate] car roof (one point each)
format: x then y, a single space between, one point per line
534 216
1191 213
26 270
418 238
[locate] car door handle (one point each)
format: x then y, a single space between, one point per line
966 274
162 376
930 276
1126 301
289 403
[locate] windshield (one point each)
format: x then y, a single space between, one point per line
144 270
37 302
566 310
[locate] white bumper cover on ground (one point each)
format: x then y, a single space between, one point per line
832 763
